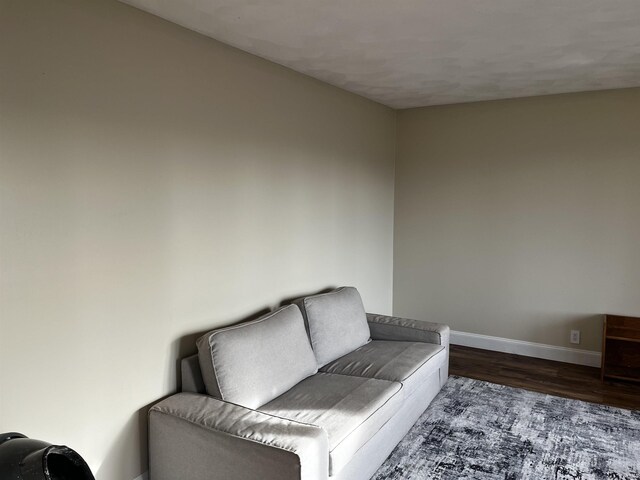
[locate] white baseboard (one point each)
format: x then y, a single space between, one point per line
528 349
144 476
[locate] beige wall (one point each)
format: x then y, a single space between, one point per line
520 218
154 184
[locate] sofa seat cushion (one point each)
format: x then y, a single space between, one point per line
350 409
409 363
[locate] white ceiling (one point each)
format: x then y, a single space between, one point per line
409 53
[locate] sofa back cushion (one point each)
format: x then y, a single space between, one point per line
252 363
336 322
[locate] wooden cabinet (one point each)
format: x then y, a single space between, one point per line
621 348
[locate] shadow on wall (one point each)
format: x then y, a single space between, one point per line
558 325
290 300
591 327
130 449
186 346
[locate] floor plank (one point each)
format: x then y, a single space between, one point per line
545 376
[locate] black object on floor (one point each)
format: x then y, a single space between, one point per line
23 458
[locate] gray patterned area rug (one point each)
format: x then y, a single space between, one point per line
480 430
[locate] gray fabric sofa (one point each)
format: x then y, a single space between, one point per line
317 390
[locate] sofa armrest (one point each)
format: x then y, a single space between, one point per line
197 437
384 327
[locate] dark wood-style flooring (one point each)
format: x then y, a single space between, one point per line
545 376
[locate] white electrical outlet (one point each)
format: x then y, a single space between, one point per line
575 336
